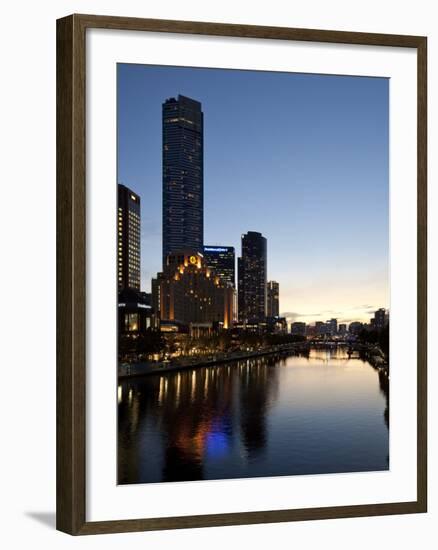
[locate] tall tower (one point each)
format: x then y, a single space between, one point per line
183 175
380 319
252 273
128 239
273 298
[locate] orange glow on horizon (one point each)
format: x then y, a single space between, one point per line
342 298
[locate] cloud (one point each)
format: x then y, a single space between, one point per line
348 316
325 313
292 315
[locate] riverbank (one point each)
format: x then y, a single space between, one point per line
377 359
127 370
372 354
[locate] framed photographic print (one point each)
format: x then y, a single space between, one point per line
241 274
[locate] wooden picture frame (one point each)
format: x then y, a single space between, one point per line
71 272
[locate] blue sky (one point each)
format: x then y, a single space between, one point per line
301 158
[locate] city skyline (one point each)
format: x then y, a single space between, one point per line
341 274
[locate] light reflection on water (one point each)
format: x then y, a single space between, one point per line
321 413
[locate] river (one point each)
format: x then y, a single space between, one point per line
316 414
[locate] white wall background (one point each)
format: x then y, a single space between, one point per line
27 175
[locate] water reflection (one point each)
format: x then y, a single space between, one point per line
269 416
384 388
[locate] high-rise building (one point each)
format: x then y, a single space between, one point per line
183 176
273 299
156 294
298 328
320 328
380 319
221 260
188 292
128 239
355 327
252 274
332 327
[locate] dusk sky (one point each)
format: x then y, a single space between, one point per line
301 158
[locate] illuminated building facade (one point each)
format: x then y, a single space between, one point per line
273 299
221 259
128 239
252 273
189 293
183 176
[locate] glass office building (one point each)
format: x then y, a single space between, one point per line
183 176
221 260
128 239
252 274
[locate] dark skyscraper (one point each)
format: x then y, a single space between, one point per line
380 319
221 260
128 239
252 272
273 298
331 327
298 329
183 176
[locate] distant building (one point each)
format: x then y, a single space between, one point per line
252 273
355 327
380 319
128 239
298 329
332 327
221 259
342 329
183 176
320 328
190 294
273 299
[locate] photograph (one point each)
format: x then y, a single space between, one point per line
252 273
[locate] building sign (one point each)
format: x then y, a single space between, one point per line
215 249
